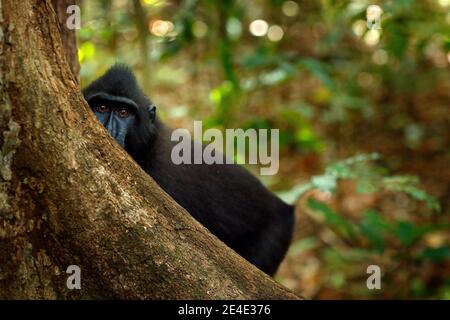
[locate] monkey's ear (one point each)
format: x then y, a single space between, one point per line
152 112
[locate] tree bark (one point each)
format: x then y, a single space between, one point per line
68 37
69 195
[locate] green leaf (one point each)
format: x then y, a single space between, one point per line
366 186
326 183
374 228
437 254
273 77
319 70
332 218
293 194
408 185
302 245
409 234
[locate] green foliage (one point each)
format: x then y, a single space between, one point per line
374 229
318 69
369 180
409 185
333 219
373 234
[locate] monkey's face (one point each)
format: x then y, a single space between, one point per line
117 119
130 125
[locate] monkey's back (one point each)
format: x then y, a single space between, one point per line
227 200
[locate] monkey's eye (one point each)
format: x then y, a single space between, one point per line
123 113
101 109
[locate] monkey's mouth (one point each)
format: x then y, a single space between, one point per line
120 138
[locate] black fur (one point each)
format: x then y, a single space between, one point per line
226 199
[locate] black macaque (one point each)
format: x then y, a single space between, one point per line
229 201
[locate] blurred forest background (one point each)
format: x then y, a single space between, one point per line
363 114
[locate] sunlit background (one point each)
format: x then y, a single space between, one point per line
336 89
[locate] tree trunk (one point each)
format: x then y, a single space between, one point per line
69 195
68 38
